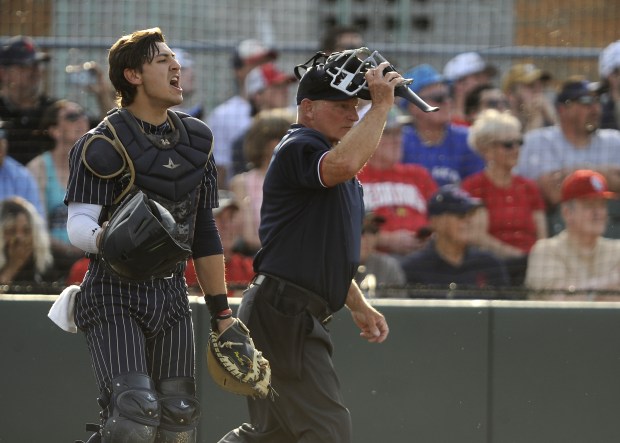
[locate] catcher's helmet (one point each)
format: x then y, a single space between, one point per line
137 244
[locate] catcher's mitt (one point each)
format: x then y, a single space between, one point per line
236 365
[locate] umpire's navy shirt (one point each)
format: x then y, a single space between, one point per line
310 234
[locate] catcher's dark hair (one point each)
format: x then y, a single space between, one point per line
131 52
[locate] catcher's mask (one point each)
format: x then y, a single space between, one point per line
344 71
137 244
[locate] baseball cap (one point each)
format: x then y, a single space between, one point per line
523 73
423 75
466 63
21 50
227 199
609 59
252 51
575 88
315 85
585 183
450 199
266 75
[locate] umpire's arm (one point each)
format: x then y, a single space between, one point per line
371 322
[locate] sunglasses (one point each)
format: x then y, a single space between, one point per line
510 144
74 116
436 98
584 100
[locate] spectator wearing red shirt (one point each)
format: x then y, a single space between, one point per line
396 191
514 214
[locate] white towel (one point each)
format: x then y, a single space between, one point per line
63 309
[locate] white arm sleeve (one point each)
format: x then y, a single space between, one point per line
82 226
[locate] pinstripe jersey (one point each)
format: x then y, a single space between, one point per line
133 327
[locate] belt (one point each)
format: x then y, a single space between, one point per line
315 304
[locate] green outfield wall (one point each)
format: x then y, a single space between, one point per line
462 372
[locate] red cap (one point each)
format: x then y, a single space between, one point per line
585 183
266 75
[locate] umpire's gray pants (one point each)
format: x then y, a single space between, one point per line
308 410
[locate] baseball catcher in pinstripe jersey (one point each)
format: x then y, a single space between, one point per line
140 195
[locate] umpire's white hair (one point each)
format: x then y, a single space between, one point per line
40 237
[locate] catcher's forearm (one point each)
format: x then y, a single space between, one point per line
210 274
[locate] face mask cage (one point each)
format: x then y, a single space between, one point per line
347 69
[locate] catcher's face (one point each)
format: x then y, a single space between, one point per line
159 82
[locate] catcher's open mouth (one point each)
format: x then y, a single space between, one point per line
176 83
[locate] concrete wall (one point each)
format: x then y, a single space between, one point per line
479 372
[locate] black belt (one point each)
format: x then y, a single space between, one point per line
315 304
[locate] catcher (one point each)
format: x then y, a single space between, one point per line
140 195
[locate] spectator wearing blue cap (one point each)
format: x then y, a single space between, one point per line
550 154
432 140
448 266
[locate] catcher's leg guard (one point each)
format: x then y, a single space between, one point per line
180 410
134 411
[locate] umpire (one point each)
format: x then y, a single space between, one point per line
150 172
311 220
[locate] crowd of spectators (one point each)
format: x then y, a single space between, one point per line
509 185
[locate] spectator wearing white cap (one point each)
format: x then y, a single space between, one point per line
432 140
232 117
579 260
524 85
464 72
609 71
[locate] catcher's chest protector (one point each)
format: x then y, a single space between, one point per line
171 165
169 168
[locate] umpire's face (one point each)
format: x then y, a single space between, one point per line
331 118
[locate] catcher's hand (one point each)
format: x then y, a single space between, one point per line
236 365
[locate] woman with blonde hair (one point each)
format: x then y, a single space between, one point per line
513 217
25 254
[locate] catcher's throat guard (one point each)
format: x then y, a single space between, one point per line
345 71
137 244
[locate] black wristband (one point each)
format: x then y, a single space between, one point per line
217 303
